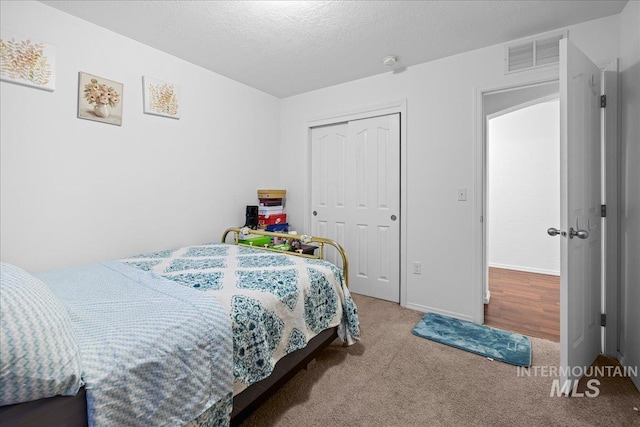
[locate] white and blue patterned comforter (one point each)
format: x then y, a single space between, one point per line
153 353
277 302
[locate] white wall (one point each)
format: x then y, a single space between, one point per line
630 185
523 160
75 191
439 147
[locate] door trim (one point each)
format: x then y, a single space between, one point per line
610 266
364 112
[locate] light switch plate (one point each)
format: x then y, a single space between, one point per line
417 267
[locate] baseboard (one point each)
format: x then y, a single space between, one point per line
487 297
426 309
527 269
635 380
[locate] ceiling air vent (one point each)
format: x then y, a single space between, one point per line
537 52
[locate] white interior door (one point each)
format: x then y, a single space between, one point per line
328 186
356 199
580 198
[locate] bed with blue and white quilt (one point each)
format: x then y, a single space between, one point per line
277 302
164 338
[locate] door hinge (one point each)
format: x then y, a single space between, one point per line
603 319
603 101
603 211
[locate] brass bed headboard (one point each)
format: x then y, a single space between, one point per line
303 238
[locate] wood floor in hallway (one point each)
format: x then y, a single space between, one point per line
527 303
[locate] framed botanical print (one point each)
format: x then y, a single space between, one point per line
99 99
161 98
26 61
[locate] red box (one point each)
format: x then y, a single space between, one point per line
264 220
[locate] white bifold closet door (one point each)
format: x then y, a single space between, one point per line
355 199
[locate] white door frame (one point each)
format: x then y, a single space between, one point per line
485 285
610 226
479 209
363 113
610 171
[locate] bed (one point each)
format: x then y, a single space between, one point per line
195 336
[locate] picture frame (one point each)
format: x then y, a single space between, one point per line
26 61
161 98
99 99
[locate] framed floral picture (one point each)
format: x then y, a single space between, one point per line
26 61
161 98
99 99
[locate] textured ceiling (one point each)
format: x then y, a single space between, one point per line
290 47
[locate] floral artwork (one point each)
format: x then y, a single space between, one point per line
99 99
26 61
161 98
100 93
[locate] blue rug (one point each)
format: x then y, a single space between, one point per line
479 339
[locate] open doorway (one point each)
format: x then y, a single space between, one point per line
522 197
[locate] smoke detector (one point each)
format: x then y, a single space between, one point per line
389 60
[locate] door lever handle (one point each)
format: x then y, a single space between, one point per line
580 234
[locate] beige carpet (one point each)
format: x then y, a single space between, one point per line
393 378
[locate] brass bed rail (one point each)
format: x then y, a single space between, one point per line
303 238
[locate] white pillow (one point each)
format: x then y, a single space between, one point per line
39 354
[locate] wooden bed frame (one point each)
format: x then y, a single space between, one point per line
71 411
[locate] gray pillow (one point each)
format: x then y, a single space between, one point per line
39 354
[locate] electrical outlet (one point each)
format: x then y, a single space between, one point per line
417 267
462 194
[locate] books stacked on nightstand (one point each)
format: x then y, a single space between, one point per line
271 215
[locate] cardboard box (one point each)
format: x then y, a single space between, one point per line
272 194
271 202
264 220
270 210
